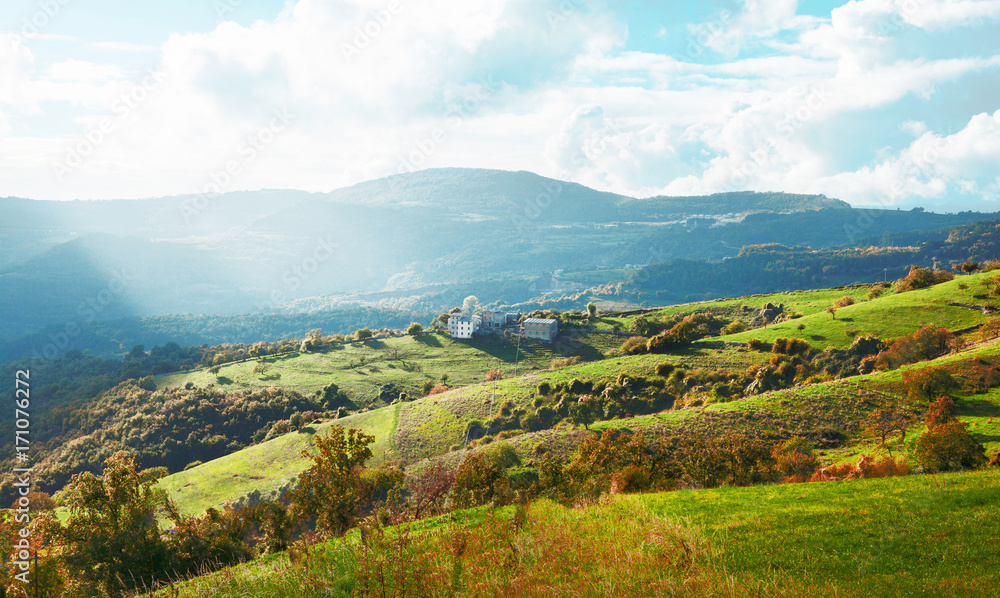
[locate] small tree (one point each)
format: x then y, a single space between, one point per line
331 490
363 333
949 446
582 412
832 311
112 541
479 480
940 412
592 309
415 329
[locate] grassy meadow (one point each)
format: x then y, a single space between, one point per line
913 536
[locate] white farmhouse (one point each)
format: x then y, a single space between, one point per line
463 326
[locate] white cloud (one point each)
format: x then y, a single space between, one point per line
932 167
512 84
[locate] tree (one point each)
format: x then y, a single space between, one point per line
363 333
940 412
592 309
480 480
968 267
949 446
429 490
331 490
582 412
832 311
470 304
414 329
112 541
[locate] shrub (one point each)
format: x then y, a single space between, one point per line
921 278
438 389
192 465
949 446
755 344
415 329
664 369
942 411
926 343
844 302
735 328
634 345
795 460
363 334
494 374
928 382
630 479
565 361
480 480
544 388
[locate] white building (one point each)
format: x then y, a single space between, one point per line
541 328
463 326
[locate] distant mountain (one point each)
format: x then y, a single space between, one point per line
416 241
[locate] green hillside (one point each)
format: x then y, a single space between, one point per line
411 431
430 427
890 316
909 536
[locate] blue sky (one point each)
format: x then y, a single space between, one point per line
877 102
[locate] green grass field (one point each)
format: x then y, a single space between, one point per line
360 369
890 316
913 536
802 302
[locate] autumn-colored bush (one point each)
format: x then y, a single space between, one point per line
844 302
565 361
790 346
634 345
438 389
921 278
755 344
867 467
795 460
942 411
630 479
925 383
949 446
926 343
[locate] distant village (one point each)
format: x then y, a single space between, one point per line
462 325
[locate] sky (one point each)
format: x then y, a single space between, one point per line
892 103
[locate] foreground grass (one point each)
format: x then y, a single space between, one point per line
912 536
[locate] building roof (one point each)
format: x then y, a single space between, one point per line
540 321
